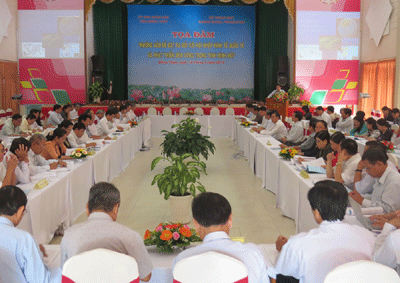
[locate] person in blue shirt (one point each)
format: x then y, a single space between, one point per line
20 259
360 127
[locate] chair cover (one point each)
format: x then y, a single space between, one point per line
9 112
393 159
2 113
230 111
167 111
183 111
199 111
210 267
362 271
100 265
151 111
215 111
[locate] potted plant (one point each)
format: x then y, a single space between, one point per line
179 182
295 91
95 91
187 139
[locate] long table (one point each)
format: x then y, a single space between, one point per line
66 195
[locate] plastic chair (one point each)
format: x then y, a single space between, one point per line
100 265
210 267
183 111
362 271
393 159
199 111
215 111
230 111
167 111
151 111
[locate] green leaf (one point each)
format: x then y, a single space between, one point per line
155 161
156 178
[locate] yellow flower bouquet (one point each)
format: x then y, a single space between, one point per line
79 153
246 124
287 153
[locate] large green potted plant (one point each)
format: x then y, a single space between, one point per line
95 91
187 139
295 91
179 183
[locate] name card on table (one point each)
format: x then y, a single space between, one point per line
304 174
41 184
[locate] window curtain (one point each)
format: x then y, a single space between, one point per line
378 80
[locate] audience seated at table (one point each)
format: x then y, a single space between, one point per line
65 111
105 125
384 128
296 133
55 147
310 256
277 130
266 122
55 117
360 127
387 114
249 110
12 126
77 138
7 167
21 259
361 114
307 114
335 140
320 125
396 116
345 168
363 182
334 116
20 147
322 115
130 110
102 231
212 218
386 189
99 115
73 114
91 129
27 123
123 116
323 144
345 123
37 163
309 141
262 111
373 132
257 116
67 126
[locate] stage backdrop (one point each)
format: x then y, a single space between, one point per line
327 50
191 53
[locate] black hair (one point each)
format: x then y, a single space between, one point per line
319 108
113 110
383 122
123 107
17 142
323 135
103 196
374 154
38 120
57 133
249 105
66 106
84 117
109 112
56 107
269 112
360 114
323 123
306 109
372 122
378 145
12 198
313 123
211 209
395 110
79 126
276 113
87 111
346 111
256 108
16 116
337 137
359 119
385 108
330 198
350 146
331 109
31 117
298 115
33 111
65 124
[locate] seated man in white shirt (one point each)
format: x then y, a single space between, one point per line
7 172
37 163
212 218
322 115
99 115
21 259
249 109
73 114
386 189
77 138
310 256
20 147
27 122
106 126
266 122
12 126
296 133
345 168
131 111
123 114
345 123
102 231
55 117
278 129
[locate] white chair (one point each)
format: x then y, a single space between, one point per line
230 111
151 111
210 267
362 271
183 111
167 111
9 112
100 265
199 111
215 111
3 115
393 159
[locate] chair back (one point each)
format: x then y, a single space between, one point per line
215 111
167 111
210 267
9 112
393 159
151 111
230 111
100 265
362 271
183 111
199 111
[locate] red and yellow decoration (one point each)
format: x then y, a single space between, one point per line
288 153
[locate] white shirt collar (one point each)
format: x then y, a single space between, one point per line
6 221
326 222
99 216
384 175
219 235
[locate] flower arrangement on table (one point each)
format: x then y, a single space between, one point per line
133 123
305 103
79 153
388 145
190 112
288 153
281 97
169 235
246 124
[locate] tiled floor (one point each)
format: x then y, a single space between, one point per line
254 214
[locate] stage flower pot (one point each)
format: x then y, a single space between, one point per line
181 209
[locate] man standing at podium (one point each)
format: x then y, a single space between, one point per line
277 90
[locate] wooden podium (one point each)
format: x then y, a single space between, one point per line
282 108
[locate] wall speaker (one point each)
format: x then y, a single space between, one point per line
283 72
98 63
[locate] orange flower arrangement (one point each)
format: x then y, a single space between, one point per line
185 232
147 235
166 235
